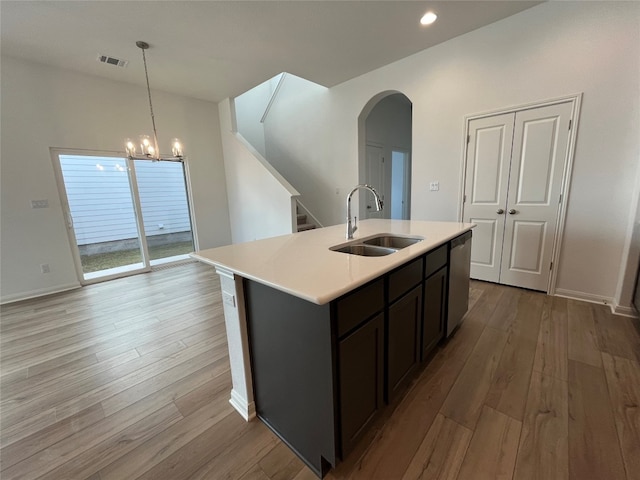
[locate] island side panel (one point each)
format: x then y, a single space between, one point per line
238 343
292 364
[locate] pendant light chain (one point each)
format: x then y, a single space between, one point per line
153 118
147 150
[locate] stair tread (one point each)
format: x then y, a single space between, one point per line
306 226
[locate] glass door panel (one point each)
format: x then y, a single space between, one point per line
103 216
165 210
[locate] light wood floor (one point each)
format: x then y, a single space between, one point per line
130 379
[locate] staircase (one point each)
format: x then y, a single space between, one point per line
303 222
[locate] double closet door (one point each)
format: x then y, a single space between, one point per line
513 192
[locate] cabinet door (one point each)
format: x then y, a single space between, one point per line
435 291
403 340
361 377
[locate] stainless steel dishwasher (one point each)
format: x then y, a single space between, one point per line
459 270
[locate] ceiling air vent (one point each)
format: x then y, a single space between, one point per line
113 61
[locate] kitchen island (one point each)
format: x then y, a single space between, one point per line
325 339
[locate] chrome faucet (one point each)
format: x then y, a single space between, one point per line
351 228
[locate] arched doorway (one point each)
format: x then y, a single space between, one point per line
385 125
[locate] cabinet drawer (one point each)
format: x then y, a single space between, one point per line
436 259
404 279
356 307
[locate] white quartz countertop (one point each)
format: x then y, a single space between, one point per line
302 265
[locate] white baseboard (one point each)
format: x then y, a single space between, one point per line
624 311
588 297
18 297
247 410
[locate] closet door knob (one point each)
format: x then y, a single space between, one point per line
512 212
500 211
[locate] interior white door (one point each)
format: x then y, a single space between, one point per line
486 187
513 186
540 141
375 178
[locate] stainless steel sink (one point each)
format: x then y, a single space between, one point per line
365 250
376 245
392 241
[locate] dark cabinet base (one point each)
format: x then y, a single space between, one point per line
322 373
320 468
293 377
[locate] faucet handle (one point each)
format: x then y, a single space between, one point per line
355 224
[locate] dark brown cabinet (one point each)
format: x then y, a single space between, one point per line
359 319
292 347
360 377
403 341
435 301
322 373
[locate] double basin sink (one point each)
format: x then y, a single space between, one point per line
377 245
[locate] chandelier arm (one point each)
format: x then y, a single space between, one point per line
153 118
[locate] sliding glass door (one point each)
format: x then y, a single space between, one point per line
102 215
165 210
124 217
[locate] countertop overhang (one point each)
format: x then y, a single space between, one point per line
302 265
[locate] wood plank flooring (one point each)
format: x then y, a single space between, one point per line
130 379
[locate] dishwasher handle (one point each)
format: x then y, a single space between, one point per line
461 240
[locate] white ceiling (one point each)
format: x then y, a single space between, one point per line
217 49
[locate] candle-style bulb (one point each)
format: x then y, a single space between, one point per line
176 148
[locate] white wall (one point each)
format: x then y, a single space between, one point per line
388 126
45 107
298 138
389 123
551 50
261 202
250 107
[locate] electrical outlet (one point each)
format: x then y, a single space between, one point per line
44 268
434 186
40 203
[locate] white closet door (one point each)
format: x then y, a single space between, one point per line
486 185
540 143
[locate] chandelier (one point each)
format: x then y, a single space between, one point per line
147 148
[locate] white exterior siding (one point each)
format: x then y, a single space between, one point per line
162 197
100 198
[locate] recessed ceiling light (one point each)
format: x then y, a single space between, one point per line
428 18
